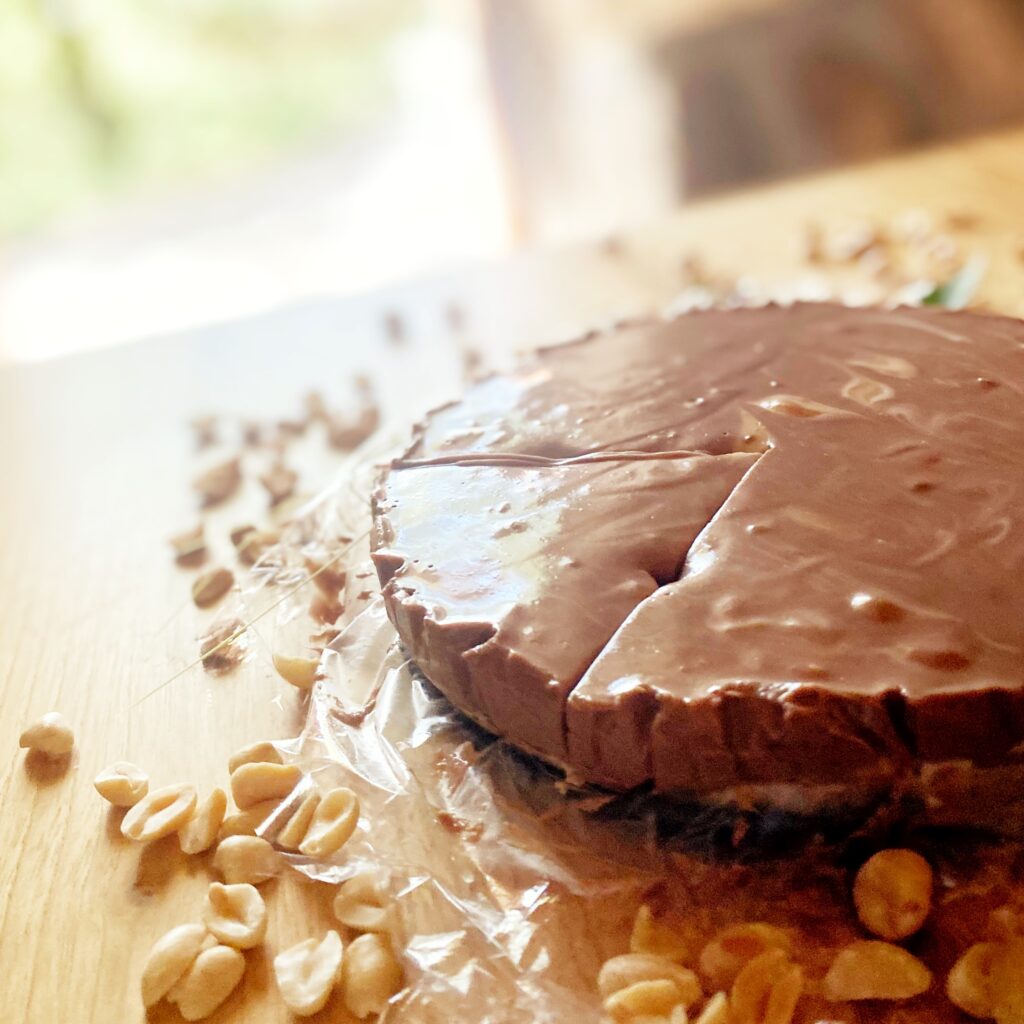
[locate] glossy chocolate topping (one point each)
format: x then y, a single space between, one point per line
739 548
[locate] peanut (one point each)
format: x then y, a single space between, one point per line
245 823
122 784
969 982
875 970
235 914
253 783
169 959
159 814
300 672
766 990
361 902
652 936
50 735
246 859
200 831
370 974
209 587
333 823
307 973
643 999
295 831
893 893
209 980
262 752
716 1010
733 947
630 968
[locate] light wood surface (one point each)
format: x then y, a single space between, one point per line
95 464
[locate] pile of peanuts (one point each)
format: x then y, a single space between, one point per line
750 972
197 966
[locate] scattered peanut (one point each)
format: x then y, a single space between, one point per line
263 780
716 1010
291 836
200 831
245 823
159 814
235 914
239 533
122 784
50 735
209 980
262 751
766 990
279 482
190 548
652 936
223 647
219 482
733 947
307 973
370 974
300 672
643 999
630 968
171 956
211 586
361 902
969 983
246 859
875 970
893 893
333 823
255 545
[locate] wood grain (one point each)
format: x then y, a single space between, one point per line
95 463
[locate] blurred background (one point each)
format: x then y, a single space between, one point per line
166 163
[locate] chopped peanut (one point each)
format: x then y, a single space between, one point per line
652 936
333 823
629 968
893 893
171 956
291 836
122 784
969 983
733 947
159 814
361 902
255 545
211 978
253 783
50 735
307 973
370 974
245 823
235 914
219 482
875 970
300 672
642 999
263 751
199 833
766 990
246 859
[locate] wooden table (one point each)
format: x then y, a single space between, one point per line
96 459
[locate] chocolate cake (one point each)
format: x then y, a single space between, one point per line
750 555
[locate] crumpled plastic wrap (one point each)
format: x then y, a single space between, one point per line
512 886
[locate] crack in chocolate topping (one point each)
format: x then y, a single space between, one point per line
738 549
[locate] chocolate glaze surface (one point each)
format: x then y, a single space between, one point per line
740 548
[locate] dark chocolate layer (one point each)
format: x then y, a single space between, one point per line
737 549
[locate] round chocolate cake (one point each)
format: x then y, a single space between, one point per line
751 555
